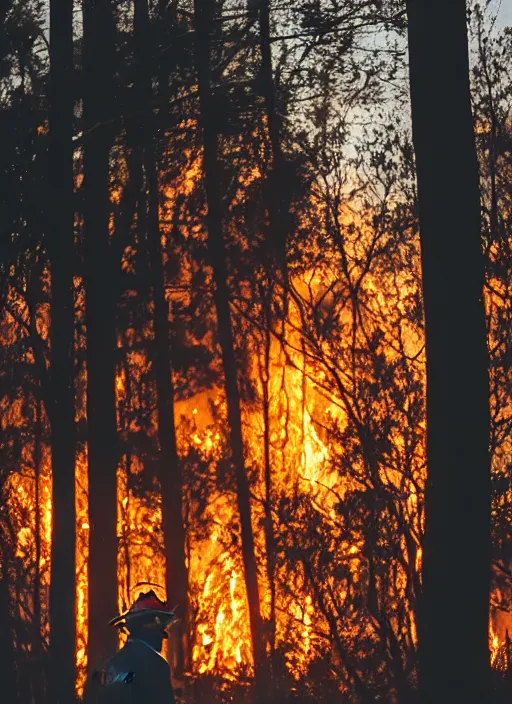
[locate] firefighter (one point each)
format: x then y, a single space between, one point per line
138 673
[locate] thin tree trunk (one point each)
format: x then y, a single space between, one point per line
37 524
270 542
277 236
203 13
124 518
275 201
168 16
61 411
456 560
170 477
38 685
127 530
128 483
8 682
101 329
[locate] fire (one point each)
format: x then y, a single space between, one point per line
315 459
218 594
302 461
494 644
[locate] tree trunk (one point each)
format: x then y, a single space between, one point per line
276 206
203 13
277 236
8 682
61 411
456 559
270 541
37 526
170 477
38 652
101 329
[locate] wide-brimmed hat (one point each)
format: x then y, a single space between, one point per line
147 611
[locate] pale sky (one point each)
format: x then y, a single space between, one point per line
504 8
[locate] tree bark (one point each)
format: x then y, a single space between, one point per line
61 411
8 678
101 329
270 541
170 476
277 232
456 558
203 15
38 674
276 206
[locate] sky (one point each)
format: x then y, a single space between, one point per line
504 9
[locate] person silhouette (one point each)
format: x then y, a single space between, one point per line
138 673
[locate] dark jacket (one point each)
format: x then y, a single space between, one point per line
136 674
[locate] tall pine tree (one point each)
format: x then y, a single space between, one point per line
102 448
456 557
61 404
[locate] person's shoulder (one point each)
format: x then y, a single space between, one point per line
125 658
107 683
